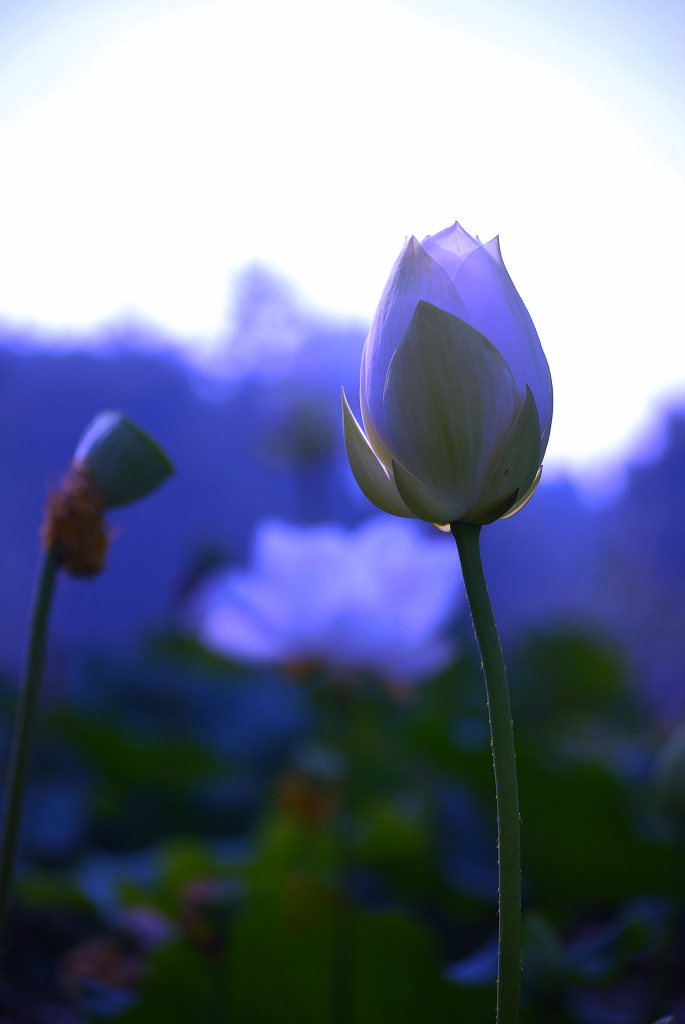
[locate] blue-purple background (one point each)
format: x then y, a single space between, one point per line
248 450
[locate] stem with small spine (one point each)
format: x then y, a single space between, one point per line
23 729
504 763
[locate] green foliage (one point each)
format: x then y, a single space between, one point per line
364 876
393 971
138 759
181 986
580 846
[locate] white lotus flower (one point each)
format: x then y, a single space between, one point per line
375 598
456 394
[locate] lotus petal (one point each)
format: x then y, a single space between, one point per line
496 309
526 497
368 471
415 276
450 401
423 500
519 459
450 247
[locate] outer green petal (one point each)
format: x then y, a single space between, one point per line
519 459
368 471
450 401
423 500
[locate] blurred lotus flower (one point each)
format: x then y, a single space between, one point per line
376 598
456 395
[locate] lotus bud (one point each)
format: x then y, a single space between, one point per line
456 394
115 463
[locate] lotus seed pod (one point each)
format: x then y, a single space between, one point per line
123 461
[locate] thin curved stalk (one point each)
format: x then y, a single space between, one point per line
504 763
23 729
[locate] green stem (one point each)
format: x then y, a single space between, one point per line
664 953
21 739
504 763
342 964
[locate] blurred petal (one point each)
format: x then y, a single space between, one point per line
368 471
495 308
376 598
423 500
519 459
450 247
251 636
415 276
450 401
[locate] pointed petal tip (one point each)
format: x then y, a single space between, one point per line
451 229
494 248
525 498
415 247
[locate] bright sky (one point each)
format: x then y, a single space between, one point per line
151 150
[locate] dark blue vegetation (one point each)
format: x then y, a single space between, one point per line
213 841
